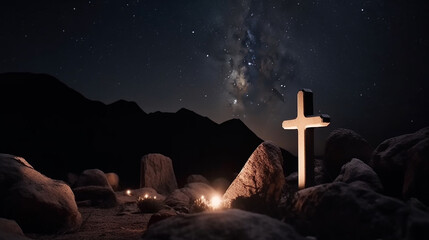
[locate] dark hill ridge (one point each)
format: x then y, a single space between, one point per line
61 131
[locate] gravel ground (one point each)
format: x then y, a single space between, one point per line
121 222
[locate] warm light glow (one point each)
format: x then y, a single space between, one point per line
202 197
128 192
146 195
154 197
215 202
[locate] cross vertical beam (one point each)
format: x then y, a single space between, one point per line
304 123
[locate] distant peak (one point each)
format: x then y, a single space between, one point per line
233 121
238 125
39 86
124 105
31 78
185 111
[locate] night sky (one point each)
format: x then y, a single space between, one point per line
366 61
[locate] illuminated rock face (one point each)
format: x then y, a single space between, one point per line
157 172
261 175
36 202
113 180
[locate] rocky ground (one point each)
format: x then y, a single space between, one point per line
121 222
360 193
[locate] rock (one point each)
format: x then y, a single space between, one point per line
261 175
416 179
184 197
10 230
341 211
341 146
402 163
93 187
37 203
157 172
99 196
415 203
161 215
113 180
358 174
72 178
92 177
196 178
196 190
292 180
178 200
319 172
227 224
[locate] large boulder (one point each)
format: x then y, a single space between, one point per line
262 175
342 146
92 177
359 174
37 203
228 224
197 178
157 173
342 211
161 215
10 230
93 188
402 163
183 198
96 196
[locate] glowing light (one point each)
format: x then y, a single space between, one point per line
146 195
215 202
154 197
202 197
128 192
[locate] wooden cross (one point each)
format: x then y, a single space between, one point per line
305 123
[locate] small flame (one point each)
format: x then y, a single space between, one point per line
128 192
215 202
146 195
154 197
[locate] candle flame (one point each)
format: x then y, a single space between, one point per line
215 202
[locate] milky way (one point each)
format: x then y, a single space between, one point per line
258 64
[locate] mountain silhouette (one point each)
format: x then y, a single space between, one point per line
60 131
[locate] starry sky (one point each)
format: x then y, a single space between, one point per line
366 61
